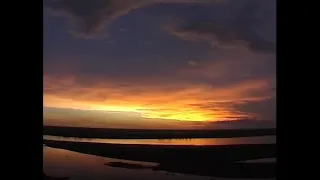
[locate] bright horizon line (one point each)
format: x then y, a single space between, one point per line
141 115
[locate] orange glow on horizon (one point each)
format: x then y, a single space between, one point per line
186 103
183 114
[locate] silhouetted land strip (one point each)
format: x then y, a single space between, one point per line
127 165
151 134
230 170
217 160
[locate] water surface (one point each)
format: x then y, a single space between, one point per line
78 166
194 141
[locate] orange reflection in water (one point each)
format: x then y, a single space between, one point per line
195 141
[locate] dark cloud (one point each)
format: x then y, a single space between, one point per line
249 23
89 17
263 110
242 124
252 110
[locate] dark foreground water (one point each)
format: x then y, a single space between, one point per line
78 166
195 141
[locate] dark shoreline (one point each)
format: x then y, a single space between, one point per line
216 161
232 170
80 132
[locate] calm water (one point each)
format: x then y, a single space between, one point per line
195 141
78 166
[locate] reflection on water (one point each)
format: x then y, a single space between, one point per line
78 166
195 141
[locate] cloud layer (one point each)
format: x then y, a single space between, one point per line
89 18
214 65
212 91
248 23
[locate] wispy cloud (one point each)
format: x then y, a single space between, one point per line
247 23
211 90
89 18
179 100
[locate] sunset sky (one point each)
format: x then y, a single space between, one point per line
159 63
